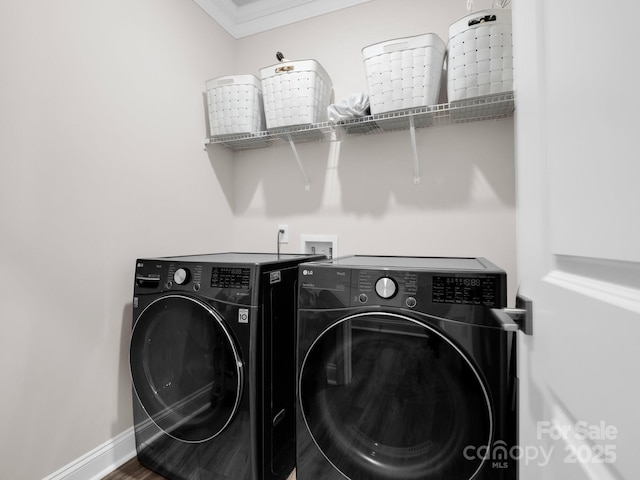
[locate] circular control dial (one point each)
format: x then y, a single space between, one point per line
181 276
386 287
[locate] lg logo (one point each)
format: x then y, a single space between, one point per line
307 272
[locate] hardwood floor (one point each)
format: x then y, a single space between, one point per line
132 470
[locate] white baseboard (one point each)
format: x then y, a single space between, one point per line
100 461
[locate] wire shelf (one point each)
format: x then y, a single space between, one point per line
487 107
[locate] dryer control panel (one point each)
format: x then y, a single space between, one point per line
408 288
417 283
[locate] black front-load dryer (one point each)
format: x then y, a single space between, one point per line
212 359
404 372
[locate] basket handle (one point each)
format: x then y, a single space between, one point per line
225 81
285 68
396 46
483 19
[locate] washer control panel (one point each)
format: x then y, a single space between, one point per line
231 283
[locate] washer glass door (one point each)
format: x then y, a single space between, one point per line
386 397
185 367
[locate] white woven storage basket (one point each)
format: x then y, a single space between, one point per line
235 105
404 73
480 55
295 93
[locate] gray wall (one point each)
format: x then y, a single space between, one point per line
101 161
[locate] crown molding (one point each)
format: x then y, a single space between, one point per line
256 17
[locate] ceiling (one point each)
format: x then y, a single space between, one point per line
245 17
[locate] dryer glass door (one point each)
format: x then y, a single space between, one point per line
387 397
185 368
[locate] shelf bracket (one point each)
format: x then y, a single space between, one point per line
295 153
414 147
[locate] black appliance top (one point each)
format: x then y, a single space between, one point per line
420 263
239 258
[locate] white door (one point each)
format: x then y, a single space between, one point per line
578 168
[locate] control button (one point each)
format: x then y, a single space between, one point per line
411 302
386 287
196 287
362 298
181 276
